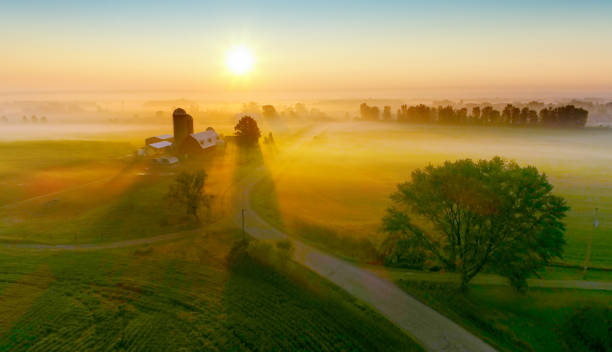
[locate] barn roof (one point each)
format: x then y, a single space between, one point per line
206 139
160 145
164 136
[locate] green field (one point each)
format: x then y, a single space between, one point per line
178 296
333 191
335 188
65 192
535 321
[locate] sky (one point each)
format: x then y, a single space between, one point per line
321 47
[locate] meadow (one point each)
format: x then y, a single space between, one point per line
535 321
67 192
335 188
333 191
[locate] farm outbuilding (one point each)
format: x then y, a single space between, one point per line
184 142
197 143
166 160
159 147
160 138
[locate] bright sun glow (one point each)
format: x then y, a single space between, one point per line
240 60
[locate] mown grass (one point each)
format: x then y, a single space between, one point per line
536 321
84 192
33 168
335 190
340 181
178 296
136 208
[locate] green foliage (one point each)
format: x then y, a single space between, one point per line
590 329
188 191
247 131
492 214
536 321
402 251
274 254
562 116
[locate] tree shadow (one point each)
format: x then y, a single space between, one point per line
255 185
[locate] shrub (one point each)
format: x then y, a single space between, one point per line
589 329
275 255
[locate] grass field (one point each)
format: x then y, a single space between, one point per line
87 192
511 322
337 185
178 296
334 191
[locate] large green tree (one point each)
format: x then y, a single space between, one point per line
247 131
489 214
187 191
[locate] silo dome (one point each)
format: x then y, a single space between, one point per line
179 112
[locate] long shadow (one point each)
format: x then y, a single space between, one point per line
272 307
251 166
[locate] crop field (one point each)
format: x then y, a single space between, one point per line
335 188
181 295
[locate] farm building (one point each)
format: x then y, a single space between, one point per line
197 143
166 160
159 147
160 138
184 141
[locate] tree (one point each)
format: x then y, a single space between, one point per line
446 115
188 191
511 115
475 115
269 112
564 116
475 215
247 131
369 113
490 115
387 113
528 116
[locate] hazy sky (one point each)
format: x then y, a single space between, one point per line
315 46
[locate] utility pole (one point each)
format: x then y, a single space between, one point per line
243 234
590 244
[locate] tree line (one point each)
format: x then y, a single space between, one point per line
562 116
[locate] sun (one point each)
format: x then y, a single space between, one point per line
240 60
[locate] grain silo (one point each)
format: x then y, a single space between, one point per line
183 126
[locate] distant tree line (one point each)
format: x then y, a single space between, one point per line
563 116
25 119
296 111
